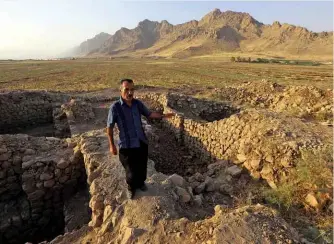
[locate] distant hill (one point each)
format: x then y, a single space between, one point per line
217 32
92 44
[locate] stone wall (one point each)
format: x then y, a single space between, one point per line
36 175
257 140
27 108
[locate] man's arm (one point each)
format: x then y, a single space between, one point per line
156 115
152 115
112 118
110 134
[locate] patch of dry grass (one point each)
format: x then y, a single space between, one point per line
313 173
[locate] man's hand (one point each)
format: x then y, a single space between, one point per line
113 149
168 115
156 115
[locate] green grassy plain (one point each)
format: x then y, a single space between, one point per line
96 74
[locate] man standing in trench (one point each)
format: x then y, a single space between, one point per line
133 148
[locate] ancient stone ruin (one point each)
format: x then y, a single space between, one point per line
59 183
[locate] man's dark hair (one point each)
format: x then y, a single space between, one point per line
124 80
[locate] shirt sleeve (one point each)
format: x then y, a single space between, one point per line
112 116
143 109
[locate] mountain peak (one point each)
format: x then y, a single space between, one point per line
216 11
165 22
276 24
147 22
214 14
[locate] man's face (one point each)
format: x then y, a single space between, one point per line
127 91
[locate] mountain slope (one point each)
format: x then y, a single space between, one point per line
93 44
216 32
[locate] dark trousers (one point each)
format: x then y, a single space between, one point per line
134 161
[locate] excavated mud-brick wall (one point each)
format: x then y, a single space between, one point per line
258 141
36 175
27 108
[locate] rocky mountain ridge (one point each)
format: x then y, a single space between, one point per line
217 32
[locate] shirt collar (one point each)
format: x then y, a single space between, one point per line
122 102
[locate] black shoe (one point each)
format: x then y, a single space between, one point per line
130 193
143 187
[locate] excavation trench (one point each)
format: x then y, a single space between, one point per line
173 147
43 197
43 189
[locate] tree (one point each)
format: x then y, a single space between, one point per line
232 59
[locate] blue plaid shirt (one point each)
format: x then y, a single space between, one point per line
128 120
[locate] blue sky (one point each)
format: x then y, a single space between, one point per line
46 27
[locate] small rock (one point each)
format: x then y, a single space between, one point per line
62 164
106 227
177 180
3 149
331 207
190 191
198 200
27 164
5 165
218 209
269 159
27 158
57 172
4 157
107 212
234 170
255 163
63 179
194 184
183 194
210 172
131 234
199 189
29 152
285 163
209 184
96 221
241 158
49 183
199 177
17 160
312 200
46 176
255 175
36 195
272 184
247 165
211 231
228 178
305 241
96 202
267 172
39 185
